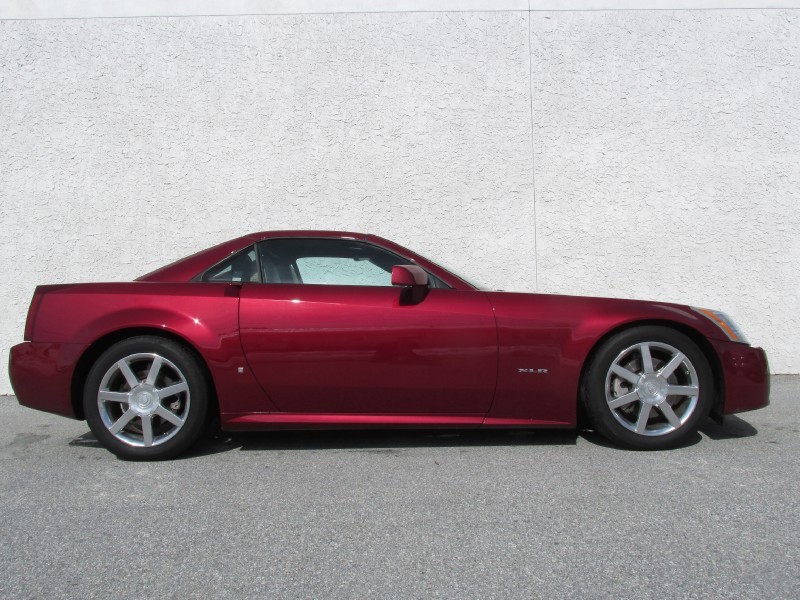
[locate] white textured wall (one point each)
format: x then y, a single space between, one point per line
665 147
667 153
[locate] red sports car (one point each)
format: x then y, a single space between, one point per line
319 329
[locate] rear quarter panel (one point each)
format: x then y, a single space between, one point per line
204 315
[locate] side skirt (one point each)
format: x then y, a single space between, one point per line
263 421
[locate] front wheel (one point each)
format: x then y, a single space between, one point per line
146 398
648 388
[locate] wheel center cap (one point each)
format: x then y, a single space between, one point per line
652 389
144 399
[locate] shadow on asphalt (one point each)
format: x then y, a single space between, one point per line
387 440
379 440
598 440
87 440
732 427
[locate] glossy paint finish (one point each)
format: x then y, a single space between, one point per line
309 356
204 315
347 349
255 422
409 275
545 340
41 373
746 376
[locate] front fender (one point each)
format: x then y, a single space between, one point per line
545 340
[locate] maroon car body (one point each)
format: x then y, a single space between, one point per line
293 355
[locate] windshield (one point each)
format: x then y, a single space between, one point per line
472 282
477 286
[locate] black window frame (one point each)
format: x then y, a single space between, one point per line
201 277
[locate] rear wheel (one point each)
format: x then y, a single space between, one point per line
648 388
146 398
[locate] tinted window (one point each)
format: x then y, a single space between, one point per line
331 262
241 267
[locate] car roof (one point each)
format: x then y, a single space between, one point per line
185 269
300 233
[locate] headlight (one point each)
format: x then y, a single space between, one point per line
724 322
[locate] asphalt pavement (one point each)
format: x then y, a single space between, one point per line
404 514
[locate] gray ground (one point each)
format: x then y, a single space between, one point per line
404 514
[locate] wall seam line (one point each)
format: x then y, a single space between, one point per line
533 161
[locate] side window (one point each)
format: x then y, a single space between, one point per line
334 270
327 262
241 267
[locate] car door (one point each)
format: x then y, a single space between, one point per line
327 333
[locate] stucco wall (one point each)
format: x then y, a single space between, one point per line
651 154
667 153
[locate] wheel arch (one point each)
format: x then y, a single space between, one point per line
100 345
693 334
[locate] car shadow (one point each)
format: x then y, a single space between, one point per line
379 440
598 440
732 427
386 440
87 440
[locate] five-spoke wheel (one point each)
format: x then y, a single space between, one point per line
145 397
648 387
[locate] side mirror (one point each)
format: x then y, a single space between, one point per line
413 280
409 275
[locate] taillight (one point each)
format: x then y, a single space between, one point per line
34 308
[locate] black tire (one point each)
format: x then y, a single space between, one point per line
175 402
629 400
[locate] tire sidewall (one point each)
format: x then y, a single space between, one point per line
198 391
594 395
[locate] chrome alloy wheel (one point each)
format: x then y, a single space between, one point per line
143 400
652 388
